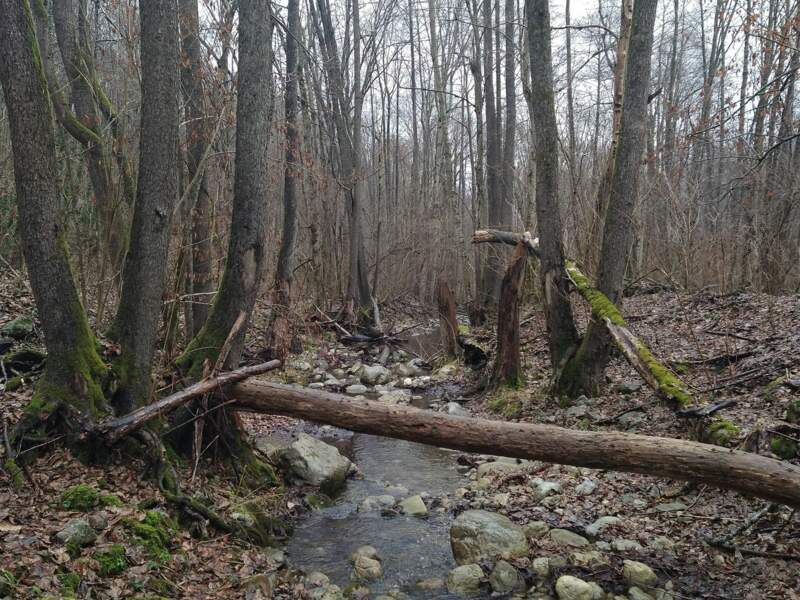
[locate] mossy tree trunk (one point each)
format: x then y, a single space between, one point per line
563 336
136 323
585 371
74 372
244 268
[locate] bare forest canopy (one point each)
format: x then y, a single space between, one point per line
717 206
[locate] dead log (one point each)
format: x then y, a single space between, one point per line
496 236
507 368
448 324
113 430
743 472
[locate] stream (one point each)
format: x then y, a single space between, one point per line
410 548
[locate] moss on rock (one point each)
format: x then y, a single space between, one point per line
154 532
84 497
720 432
784 447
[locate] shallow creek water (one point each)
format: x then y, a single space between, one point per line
410 548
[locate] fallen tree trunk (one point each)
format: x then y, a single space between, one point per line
742 472
113 430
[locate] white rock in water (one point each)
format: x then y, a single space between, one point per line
312 461
465 580
414 506
478 535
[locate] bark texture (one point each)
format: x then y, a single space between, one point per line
247 245
558 313
507 367
74 370
448 324
584 372
136 323
743 472
197 140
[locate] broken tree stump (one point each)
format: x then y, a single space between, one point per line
507 368
448 324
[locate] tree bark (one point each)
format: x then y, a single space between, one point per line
448 324
280 328
197 140
507 368
136 323
742 472
244 267
584 372
74 371
561 329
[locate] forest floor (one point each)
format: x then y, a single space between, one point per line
743 347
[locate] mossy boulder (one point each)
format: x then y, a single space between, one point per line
76 534
19 328
721 432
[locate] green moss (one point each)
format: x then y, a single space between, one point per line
318 501
8 582
506 401
112 561
204 348
793 411
14 383
681 368
154 532
784 448
84 497
602 307
668 385
772 386
69 583
720 432
16 474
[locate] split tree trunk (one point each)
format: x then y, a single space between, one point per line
136 323
74 371
507 368
743 472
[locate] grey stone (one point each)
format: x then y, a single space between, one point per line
671 507
624 545
478 535
317 385
631 419
328 592
465 580
577 411
431 584
588 558
600 524
316 579
572 588
312 461
586 487
545 488
505 578
536 529
638 574
634 501
374 374
366 568
661 543
498 467
636 593
541 566
455 409
597 591
628 387
338 374
564 537
356 389
373 503
77 533
414 506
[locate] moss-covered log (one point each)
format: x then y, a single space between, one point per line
657 376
